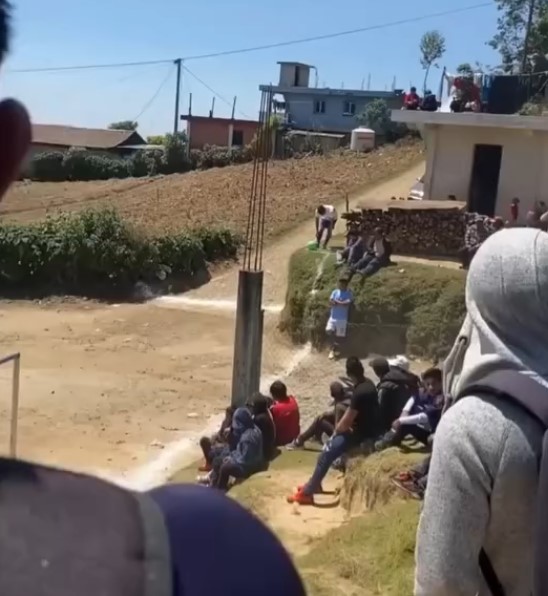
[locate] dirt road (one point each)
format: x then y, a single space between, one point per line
107 388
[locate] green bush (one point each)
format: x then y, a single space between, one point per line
81 164
98 248
408 307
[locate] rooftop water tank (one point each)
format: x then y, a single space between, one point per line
362 139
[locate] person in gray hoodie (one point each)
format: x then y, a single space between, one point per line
483 476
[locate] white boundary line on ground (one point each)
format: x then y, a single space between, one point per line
209 303
185 450
319 273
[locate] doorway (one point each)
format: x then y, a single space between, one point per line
484 180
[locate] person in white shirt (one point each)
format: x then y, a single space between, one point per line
326 218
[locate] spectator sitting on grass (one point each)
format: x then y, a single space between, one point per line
340 301
358 424
377 255
285 413
420 415
219 443
262 418
353 252
395 388
325 423
245 458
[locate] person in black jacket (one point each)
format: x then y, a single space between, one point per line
395 388
264 421
377 255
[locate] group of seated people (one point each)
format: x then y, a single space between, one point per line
365 253
413 101
372 417
248 437
361 414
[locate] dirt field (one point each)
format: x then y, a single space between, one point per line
109 388
217 196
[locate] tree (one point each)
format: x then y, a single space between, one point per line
519 51
124 125
432 47
377 117
156 140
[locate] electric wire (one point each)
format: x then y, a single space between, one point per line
154 97
270 46
209 88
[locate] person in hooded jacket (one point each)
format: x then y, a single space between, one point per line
395 387
483 476
247 456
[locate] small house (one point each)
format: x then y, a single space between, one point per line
483 159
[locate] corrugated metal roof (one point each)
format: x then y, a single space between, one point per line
91 138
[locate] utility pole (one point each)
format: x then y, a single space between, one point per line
527 36
179 64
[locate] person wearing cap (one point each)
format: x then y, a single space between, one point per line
395 387
325 423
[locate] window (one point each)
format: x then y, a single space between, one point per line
349 108
237 138
319 106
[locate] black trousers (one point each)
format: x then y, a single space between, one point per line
395 438
324 423
228 468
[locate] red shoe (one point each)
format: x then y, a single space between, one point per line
205 468
301 499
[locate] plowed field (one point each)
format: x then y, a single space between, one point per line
219 195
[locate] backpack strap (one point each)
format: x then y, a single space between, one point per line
533 397
157 554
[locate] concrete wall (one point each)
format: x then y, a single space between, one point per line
301 109
524 165
217 132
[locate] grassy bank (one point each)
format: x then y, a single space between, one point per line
363 546
409 307
98 252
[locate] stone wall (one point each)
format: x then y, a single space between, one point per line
416 232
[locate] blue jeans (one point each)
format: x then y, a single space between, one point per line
337 446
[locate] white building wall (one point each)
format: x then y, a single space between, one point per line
524 166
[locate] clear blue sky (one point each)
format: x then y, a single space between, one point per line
68 32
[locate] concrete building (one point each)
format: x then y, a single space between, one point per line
222 132
321 109
483 159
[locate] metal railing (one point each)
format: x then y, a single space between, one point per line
14 415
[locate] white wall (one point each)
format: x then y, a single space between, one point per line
524 166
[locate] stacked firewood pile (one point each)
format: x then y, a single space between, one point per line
428 232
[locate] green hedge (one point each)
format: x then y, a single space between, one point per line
97 248
80 164
407 307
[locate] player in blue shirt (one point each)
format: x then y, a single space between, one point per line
340 302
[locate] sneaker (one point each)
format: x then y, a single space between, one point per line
203 479
301 499
409 487
294 445
332 355
300 488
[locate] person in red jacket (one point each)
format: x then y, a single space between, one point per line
285 412
411 100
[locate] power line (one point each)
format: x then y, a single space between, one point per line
266 46
153 98
339 33
223 99
89 66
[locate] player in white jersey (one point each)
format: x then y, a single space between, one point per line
326 218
